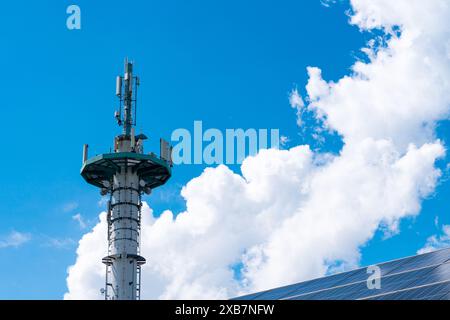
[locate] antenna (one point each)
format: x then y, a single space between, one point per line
126 91
85 153
119 86
128 98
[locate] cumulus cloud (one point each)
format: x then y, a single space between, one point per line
14 239
86 276
293 214
436 242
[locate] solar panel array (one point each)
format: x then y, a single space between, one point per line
421 277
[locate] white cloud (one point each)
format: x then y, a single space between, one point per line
103 201
436 242
79 218
327 3
70 206
86 276
284 140
273 219
296 102
294 213
14 239
58 243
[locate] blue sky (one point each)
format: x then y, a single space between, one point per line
228 63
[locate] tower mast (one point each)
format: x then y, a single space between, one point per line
125 175
128 98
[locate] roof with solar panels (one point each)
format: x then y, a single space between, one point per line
421 277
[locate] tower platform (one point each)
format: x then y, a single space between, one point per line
100 170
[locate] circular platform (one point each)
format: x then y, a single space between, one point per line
100 169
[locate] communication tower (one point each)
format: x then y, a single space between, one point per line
125 174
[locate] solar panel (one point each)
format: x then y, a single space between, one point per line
358 290
427 259
298 288
425 276
439 291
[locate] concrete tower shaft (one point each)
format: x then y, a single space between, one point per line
125 175
123 229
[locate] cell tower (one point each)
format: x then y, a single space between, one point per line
125 174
